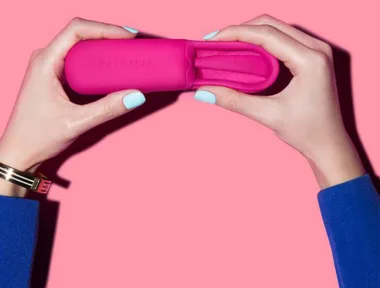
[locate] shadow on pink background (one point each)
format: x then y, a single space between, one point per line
184 194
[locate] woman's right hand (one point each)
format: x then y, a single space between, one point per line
44 121
306 114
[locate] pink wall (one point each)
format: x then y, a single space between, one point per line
191 195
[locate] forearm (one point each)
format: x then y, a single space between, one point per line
336 164
350 206
10 190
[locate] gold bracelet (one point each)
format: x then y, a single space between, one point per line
35 182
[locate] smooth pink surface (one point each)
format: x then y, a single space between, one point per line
105 66
199 197
151 65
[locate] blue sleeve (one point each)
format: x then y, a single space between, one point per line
18 233
351 214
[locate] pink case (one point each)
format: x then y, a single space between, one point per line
105 66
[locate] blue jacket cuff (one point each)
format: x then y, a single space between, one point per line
18 233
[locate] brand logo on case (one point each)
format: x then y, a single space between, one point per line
123 64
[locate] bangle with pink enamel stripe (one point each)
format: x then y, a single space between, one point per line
35 182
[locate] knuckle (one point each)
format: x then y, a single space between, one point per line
267 29
76 21
318 59
327 49
106 111
231 28
35 54
232 103
264 19
36 59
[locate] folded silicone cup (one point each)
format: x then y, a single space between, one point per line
105 66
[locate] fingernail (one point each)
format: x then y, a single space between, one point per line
205 96
212 34
129 29
133 100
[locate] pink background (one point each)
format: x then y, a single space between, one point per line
193 196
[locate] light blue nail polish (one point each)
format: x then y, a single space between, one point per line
129 29
212 34
205 96
133 100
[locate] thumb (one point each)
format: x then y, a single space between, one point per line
262 109
109 107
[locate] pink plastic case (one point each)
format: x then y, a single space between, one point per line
105 66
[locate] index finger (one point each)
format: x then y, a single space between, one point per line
81 29
297 34
290 51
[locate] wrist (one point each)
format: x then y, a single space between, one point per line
7 188
14 159
11 190
337 163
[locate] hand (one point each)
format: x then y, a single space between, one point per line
44 122
306 114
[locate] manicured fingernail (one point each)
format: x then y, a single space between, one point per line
129 29
205 96
133 100
212 34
